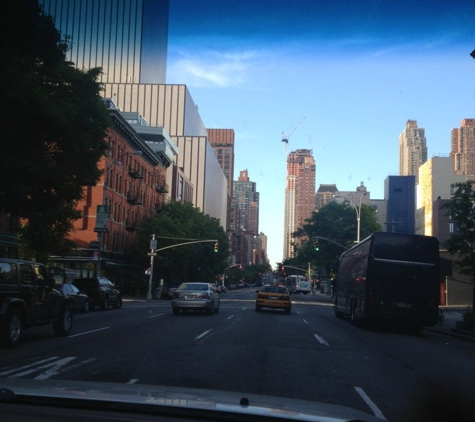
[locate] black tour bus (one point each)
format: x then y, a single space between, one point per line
391 277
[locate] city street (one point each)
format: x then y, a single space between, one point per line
309 354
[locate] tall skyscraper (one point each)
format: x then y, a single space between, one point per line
412 150
463 148
299 195
222 141
248 203
127 38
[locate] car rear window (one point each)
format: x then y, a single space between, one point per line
193 286
274 289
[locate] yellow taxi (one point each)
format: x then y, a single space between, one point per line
274 297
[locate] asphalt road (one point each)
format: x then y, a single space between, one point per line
309 354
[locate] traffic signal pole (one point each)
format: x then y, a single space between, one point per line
154 250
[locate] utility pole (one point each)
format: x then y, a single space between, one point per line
152 253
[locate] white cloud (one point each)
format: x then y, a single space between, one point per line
210 69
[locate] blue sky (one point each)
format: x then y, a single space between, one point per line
356 70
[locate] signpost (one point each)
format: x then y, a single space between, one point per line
102 215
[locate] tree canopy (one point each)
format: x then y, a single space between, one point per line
335 226
53 131
181 223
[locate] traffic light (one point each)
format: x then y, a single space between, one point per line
315 244
216 247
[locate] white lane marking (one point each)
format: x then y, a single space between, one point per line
203 334
321 340
155 316
229 317
10 371
305 321
370 403
59 370
58 364
89 332
244 308
132 381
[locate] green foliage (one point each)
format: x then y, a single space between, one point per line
178 223
253 273
335 226
53 128
461 210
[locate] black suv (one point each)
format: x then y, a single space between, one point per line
101 292
27 298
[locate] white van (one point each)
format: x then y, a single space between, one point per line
303 286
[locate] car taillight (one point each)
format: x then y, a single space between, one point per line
204 296
175 295
260 296
285 297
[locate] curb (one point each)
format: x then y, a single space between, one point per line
454 332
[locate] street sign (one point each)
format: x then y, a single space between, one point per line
152 254
101 217
101 230
153 244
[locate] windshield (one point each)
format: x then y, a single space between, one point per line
171 159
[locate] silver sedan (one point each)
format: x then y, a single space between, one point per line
198 296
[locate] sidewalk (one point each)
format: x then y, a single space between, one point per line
449 325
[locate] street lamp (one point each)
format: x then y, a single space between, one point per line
358 217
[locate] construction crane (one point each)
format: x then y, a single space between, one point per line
286 138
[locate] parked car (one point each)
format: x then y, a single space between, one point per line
80 300
274 297
172 289
28 298
198 296
101 292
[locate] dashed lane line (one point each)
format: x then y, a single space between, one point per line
89 332
321 340
370 403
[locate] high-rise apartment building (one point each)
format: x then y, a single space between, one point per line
463 148
222 141
247 200
412 150
299 195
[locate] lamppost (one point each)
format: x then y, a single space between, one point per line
358 217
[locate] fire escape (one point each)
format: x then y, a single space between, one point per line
134 193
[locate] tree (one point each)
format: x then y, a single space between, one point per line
53 128
180 222
335 225
461 243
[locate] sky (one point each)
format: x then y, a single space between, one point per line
341 77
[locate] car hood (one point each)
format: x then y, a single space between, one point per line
167 400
